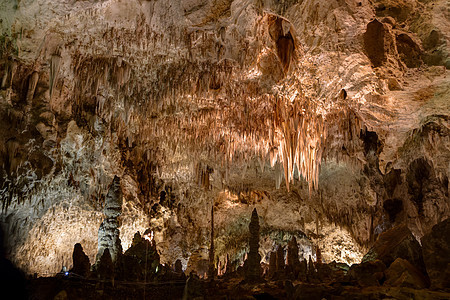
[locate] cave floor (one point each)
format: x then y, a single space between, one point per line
236 288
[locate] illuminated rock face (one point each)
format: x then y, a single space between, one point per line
331 118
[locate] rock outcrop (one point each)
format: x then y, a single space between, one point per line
402 273
436 249
141 261
367 273
397 242
81 264
379 43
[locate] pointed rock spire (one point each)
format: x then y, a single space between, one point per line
253 263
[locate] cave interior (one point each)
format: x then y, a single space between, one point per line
224 149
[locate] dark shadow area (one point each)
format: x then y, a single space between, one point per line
12 280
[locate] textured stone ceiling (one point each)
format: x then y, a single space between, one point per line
332 118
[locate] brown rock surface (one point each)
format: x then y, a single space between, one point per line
178 266
397 242
81 264
292 253
367 273
379 42
280 259
402 273
272 263
436 254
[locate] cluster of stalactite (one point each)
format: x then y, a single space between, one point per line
174 94
205 108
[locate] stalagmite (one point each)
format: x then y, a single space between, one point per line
81 265
272 263
252 265
211 266
105 266
108 233
280 259
292 254
178 268
228 266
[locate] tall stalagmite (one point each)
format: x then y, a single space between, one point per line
253 262
280 259
211 268
108 233
292 253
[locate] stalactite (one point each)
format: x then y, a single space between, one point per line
5 76
283 125
54 70
32 87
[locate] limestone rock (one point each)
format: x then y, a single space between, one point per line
292 253
198 262
436 254
194 288
253 262
303 270
367 273
409 49
178 266
402 273
379 42
228 266
146 255
108 233
280 259
398 10
138 75
105 266
108 237
81 264
272 263
113 200
129 268
394 243
136 239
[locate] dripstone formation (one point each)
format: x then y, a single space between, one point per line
293 261
81 264
253 263
108 233
331 118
